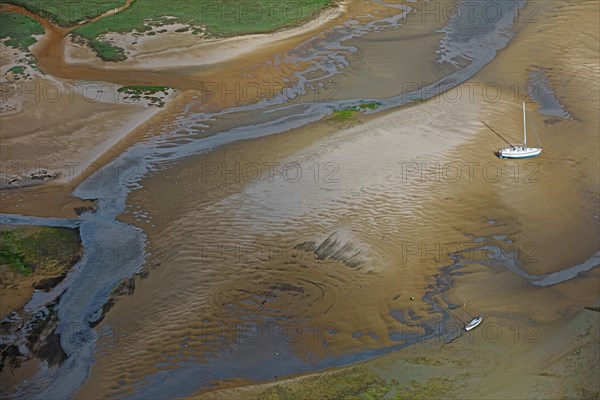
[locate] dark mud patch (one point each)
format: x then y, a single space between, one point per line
51 351
43 341
37 338
338 246
540 90
49 283
87 209
11 357
286 287
35 178
126 288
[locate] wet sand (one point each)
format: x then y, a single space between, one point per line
470 367
69 134
346 255
89 151
376 218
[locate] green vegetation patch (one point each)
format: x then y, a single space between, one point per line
106 51
44 251
149 93
12 252
143 90
19 30
349 112
344 115
17 70
369 106
68 12
217 18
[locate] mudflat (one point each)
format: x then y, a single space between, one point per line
335 243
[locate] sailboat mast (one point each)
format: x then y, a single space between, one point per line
524 127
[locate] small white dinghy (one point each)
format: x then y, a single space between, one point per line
474 323
520 151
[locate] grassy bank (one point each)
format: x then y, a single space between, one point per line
354 383
358 383
67 12
200 17
40 251
19 30
34 258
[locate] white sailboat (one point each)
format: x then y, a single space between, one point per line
520 151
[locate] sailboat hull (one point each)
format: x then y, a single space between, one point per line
519 152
